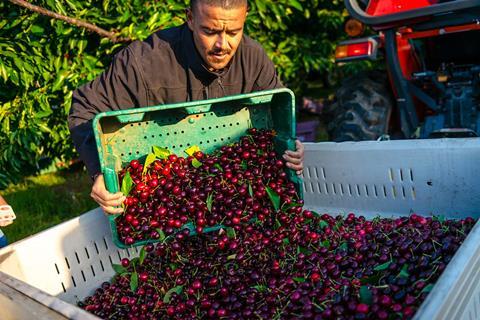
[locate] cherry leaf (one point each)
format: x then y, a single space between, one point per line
191 150
161 153
127 184
366 295
403 273
428 288
196 163
148 161
244 165
231 233
161 233
118 268
382 266
134 281
168 295
209 201
323 224
142 255
274 198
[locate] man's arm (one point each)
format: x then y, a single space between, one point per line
121 86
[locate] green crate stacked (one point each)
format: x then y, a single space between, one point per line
124 135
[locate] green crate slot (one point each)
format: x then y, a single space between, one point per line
124 135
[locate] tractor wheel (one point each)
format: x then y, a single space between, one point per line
362 108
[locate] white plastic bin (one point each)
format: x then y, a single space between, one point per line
384 178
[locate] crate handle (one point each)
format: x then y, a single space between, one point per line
111 180
132 117
198 109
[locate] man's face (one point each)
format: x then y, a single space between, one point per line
216 32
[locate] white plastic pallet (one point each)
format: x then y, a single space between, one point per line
68 261
392 178
373 178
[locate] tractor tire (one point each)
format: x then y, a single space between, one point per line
361 109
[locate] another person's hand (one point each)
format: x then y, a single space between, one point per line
6 215
107 201
295 158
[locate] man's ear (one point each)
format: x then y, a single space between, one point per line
189 15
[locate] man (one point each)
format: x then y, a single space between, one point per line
208 57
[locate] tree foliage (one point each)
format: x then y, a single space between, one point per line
43 59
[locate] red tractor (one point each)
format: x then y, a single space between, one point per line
431 87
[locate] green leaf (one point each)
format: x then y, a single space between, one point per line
148 161
244 165
118 268
161 153
286 241
209 201
127 184
343 246
303 250
134 261
196 163
296 5
299 279
403 273
366 295
261 6
37 30
323 224
250 190
105 5
192 150
162 234
134 281
274 198
292 204
231 233
427 289
43 114
260 287
218 166
325 243
142 255
232 257
168 295
277 224
382 266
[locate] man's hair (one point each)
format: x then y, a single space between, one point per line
225 4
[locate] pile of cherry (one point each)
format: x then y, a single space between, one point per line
289 263
228 187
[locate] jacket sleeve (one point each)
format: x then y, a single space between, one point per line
121 86
267 76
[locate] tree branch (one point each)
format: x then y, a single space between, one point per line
79 23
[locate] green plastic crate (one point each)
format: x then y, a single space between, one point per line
124 135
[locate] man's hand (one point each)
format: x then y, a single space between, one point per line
295 158
107 201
